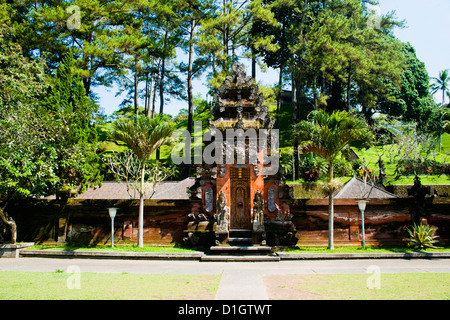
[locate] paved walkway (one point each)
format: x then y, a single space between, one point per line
237 284
240 280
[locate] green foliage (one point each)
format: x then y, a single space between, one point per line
442 83
446 124
142 177
412 101
25 167
329 135
47 142
225 35
312 167
332 53
48 139
67 114
421 236
142 135
287 162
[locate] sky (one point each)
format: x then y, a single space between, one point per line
426 29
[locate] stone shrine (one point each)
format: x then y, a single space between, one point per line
241 199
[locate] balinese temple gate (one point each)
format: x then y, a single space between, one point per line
241 199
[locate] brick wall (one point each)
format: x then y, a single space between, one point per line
87 221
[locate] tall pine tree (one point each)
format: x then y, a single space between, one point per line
68 112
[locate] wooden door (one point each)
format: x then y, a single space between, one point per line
240 198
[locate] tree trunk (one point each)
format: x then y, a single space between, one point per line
294 109
315 93
141 211
163 71
253 67
154 98
149 92
141 222
189 77
136 82
161 93
150 111
280 89
190 94
330 221
146 104
349 81
331 213
10 223
225 31
161 86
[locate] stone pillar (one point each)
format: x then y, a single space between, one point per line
62 230
354 222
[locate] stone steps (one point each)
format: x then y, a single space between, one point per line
240 241
240 250
240 237
236 258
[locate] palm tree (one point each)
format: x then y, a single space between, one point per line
143 136
329 135
442 83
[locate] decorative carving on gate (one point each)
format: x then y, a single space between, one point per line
271 199
222 217
258 212
209 199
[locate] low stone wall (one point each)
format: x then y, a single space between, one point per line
88 222
12 250
402 190
385 221
316 191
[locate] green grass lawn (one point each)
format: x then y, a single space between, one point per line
367 249
59 285
404 286
388 155
176 249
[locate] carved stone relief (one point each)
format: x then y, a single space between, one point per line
258 212
209 199
271 199
222 216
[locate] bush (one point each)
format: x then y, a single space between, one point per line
421 236
422 166
287 163
357 164
311 175
342 168
312 168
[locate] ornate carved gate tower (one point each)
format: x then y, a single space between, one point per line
237 195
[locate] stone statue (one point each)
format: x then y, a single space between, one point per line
258 212
382 170
420 202
222 216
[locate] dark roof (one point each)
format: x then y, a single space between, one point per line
110 190
352 190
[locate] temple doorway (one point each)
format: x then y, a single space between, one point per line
240 198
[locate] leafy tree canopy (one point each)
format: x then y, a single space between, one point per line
412 101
